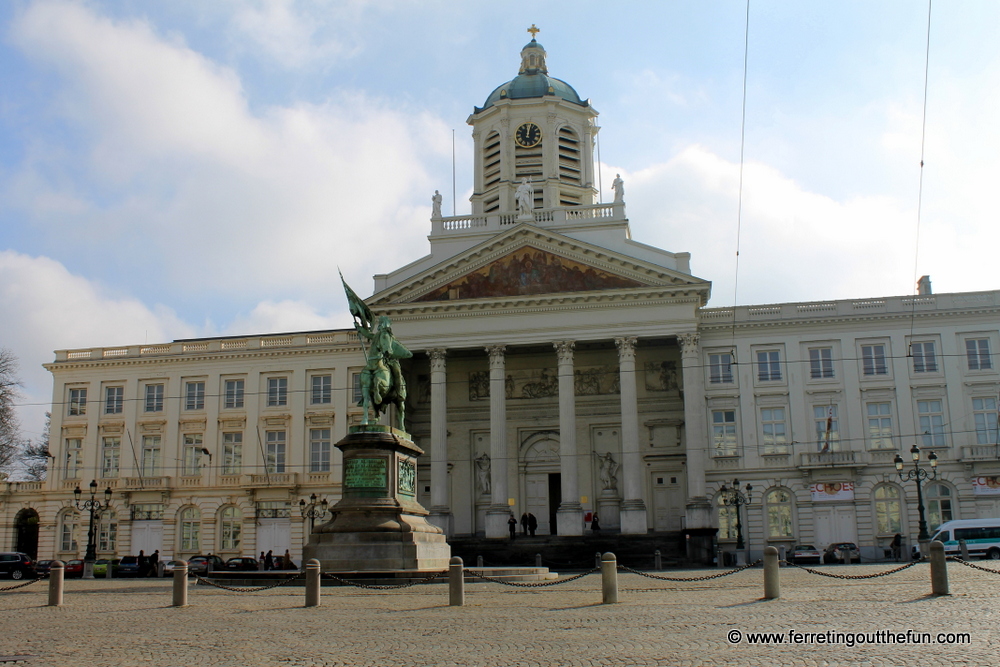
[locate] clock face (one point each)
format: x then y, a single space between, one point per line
528 135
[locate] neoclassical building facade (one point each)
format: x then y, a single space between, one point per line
561 369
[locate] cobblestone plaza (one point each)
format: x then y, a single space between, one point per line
130 622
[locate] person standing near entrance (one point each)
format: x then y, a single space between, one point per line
595 525
532 524
512 526
524 523
269 561
154 562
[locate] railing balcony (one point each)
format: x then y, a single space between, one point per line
275 479
848 459
139 483
981 453
727 463
194 480
493 222
231 480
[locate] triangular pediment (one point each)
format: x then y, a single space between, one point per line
531 262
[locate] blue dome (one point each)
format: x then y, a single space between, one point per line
525 86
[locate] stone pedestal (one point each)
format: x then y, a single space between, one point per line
634 518
609 510
378 524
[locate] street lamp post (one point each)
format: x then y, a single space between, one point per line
95 507
919 474
313 510
737 497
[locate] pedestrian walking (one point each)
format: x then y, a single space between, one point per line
512 526
524 523
532 524
269 561
154 562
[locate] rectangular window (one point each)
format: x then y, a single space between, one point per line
193 450
873 360
111 449
984 411
194 396
773 436
107 534
114 400
234 394
720 368
322 389
151 453
277 392
724 432
880 425
319 450
356 387
931 414
275 451
77 402
67 539
74 457
827 427
232 453
821 363
768 366
977 351
154 398
924 359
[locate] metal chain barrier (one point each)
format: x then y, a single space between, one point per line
530 584
966 563
625 568
385 587
855 576
21 585
246 589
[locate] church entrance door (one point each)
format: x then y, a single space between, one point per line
541 481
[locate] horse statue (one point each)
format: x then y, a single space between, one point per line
382 382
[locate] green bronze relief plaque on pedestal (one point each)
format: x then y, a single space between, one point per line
365 473
407 478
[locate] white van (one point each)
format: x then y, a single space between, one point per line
982 537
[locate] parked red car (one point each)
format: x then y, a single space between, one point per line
73 569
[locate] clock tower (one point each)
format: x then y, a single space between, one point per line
535 126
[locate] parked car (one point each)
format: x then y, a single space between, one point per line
128 566
806 553
202 564
17 565
101 567
42 567
839 551
73 569
168 568
243 564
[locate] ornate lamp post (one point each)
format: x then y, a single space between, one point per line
737 497
919 474
314 510
95 507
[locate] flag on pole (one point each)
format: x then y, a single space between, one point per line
829 429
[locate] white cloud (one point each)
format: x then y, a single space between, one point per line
46 308
281 316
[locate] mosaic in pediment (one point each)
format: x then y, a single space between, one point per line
529 271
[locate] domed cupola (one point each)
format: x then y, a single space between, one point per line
533 127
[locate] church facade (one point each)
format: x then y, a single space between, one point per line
562 369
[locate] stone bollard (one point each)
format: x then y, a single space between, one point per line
597 559
456 583
56 572
657 560
312 583
965 549
847 557
772 587
609 579
718 557
538 560
180 584
781 556
479 561
159 568
939 569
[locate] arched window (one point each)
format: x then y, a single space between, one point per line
939 506
190 529
231 523
888 512
779 513
107 531
69 523
727 519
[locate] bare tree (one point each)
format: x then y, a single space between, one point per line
10 429
35 456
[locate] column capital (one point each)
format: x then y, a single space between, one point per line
437 357
626 348
564 350
496 353
688 342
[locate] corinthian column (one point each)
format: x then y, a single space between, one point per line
570 514
699 509
497 514
440 510
633 515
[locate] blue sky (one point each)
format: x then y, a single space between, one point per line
191 168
